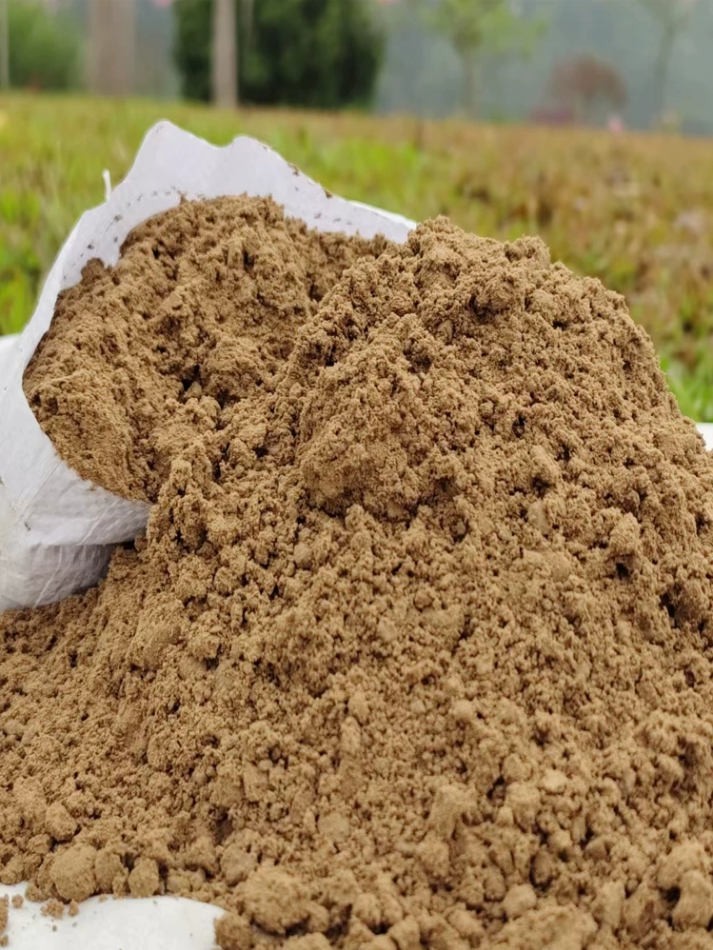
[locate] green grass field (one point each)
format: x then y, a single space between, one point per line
635 211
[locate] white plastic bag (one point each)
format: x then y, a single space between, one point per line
7 346
56 529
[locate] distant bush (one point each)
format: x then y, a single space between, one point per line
44 49
314 53
585 82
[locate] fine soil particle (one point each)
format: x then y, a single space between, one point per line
204 301
53 908
416 651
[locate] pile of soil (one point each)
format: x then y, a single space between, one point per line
204 301
416 651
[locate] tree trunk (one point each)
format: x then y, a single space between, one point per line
4 45
661 71
471 91
112 42
225 54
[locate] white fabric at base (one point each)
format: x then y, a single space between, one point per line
161 923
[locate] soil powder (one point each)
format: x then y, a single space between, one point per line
204 301
416 651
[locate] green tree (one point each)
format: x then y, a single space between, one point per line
43 48
192 47
472 26
314 53
673 16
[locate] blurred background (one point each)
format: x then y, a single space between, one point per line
585 121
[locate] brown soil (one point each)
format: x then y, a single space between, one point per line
204 301
416 651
